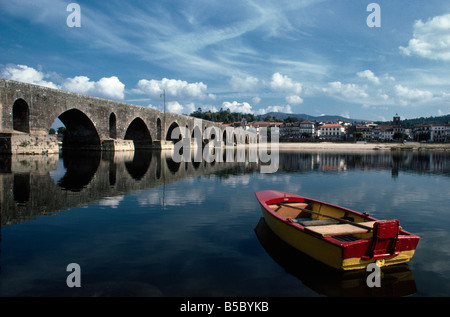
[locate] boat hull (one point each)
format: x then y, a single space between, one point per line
337 254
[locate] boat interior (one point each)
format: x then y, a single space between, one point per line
326 220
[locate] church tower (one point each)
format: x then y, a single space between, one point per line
396 119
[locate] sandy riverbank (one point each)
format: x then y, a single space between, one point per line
361 146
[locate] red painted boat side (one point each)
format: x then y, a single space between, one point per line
356 249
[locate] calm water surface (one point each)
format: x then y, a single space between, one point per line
143 225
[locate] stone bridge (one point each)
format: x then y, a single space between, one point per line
27 112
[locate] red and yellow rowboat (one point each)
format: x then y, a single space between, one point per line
339 237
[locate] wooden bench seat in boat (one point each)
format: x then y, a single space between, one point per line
308 222
340 229
287 212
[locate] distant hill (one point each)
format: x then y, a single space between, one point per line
324 118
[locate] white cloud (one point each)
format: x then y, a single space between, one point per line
79 84
284 109
347 91
211 108
27 74
112 202
283 83
173 87
295 100
243 107
193 195
256 100
247 84
383 96
431 39
442 113
176 107
108 87
368 74
190 108
407 95
345 114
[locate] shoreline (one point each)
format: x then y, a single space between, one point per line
360 146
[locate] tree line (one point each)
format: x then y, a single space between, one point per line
410 123
226 116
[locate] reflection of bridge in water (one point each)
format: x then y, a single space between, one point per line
30 188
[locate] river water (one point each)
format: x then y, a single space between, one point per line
140 224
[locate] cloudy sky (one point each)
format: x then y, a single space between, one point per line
298 56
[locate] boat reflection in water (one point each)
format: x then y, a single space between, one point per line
396 280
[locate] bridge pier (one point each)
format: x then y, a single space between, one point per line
164 145
117 145
114 145
25 143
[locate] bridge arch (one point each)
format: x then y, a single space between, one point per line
21 116
139 133
225 137
171 128
80 131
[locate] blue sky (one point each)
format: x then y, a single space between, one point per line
298 56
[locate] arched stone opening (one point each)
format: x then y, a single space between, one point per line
169 137
21 116
80 132
140 135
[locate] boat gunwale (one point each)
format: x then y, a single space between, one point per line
280 197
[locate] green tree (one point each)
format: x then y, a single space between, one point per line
291 119
61 130
399 136
268 118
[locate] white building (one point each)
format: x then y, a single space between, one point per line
332 131
439 132
307 128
